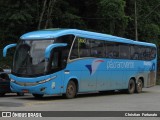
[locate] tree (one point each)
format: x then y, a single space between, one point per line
150 33
113 19
148 19
16 19
148 15
46 13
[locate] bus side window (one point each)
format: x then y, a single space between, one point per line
65 39
87 48
80 48
142 55
152 53
124 51
147 54
134 52
112 51
83 48
74 52
97 48
54 60
108 50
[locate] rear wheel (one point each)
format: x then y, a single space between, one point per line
71 90
131 86
139 86
38 95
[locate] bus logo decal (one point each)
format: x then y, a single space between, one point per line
93 67
119 65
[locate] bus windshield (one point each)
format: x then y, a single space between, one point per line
29 57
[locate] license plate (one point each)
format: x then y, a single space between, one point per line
25 91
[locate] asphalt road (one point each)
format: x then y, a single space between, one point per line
148 100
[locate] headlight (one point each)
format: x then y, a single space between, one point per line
43 81
12 80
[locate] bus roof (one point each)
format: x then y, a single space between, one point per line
57 32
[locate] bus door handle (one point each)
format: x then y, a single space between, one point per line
66 72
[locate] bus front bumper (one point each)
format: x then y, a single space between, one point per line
43 88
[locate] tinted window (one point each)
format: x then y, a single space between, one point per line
87 48
152 53
97 48
81 48
29 58
147 53
142 53
124 51
84 48
135 52
65 39
112 50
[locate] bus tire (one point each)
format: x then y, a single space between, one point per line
38 95
71 90
131 86
139 86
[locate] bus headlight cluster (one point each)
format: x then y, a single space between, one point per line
12 80
46 80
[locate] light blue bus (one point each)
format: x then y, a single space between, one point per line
71 61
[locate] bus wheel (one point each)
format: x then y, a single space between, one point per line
38 95
131 86
139 86
71 90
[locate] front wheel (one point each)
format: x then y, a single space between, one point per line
139 86
131 86
71 90
38 95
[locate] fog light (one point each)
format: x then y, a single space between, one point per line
12 80
43 89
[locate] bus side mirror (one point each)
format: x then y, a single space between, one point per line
51 47
8 47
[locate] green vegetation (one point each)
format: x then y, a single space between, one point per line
116 17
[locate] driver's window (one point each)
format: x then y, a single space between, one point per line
55 57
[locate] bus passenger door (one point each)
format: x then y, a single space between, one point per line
55 67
